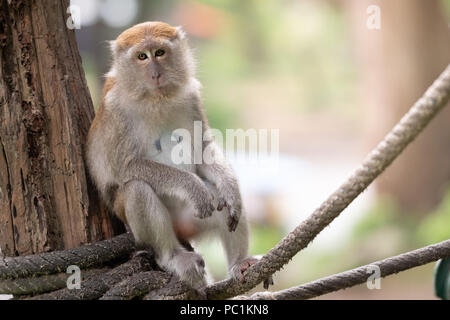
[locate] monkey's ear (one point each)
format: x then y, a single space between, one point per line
180 33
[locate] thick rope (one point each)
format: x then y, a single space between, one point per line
138 285
45 283
88 256
359 275
96 286
409 127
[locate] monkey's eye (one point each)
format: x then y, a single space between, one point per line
142 56
160 52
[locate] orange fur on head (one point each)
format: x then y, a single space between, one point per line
109 83
138 33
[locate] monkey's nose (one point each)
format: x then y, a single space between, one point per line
156 75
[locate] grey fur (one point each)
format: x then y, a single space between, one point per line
122 156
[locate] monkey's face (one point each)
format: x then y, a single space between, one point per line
153 59
160 67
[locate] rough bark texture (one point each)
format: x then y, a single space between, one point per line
398 62
46 199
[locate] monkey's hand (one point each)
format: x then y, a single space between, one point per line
201 197
230 198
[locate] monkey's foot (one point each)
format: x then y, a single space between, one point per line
239 269
189 267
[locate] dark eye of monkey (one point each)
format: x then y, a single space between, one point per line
159 52
142 56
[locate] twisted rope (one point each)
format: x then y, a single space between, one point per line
44 271
359 275
409 127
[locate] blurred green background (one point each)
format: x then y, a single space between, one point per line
333 87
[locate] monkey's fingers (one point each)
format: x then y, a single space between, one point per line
232 222
205 211
243 267
268 282
222 204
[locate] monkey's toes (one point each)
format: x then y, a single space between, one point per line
268 282
222 204
239 269
232 222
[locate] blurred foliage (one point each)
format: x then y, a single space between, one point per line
293 55
415 231
296 53
264 238
435 226
386 231
446 6
383 213
92 72
382 232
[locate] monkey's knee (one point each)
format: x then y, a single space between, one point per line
134 196
136 190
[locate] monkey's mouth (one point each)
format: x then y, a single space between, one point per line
162 88
159 84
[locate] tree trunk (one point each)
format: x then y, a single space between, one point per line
398 62
46 199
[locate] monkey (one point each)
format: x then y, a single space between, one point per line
150 92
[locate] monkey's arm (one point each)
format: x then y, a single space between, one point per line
167 180
217 170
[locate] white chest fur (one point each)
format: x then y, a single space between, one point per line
160 140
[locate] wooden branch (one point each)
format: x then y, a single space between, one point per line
88 256
409 127
359 275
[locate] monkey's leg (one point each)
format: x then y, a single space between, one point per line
234 243
151 225
236 247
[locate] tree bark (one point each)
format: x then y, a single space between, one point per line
399 61
46 199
